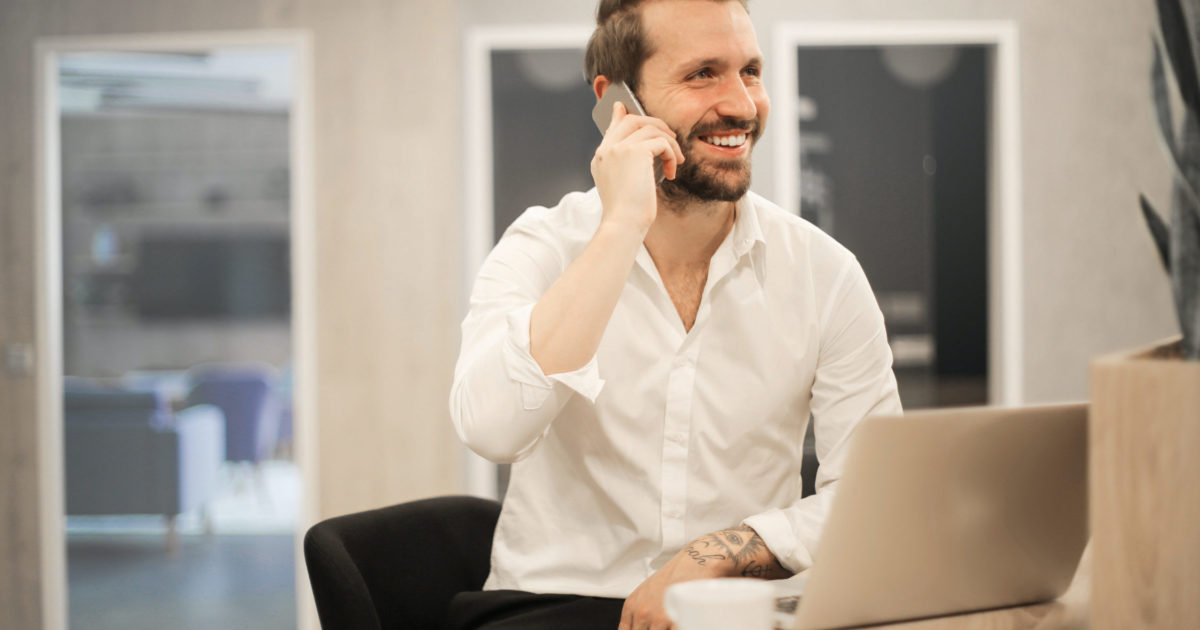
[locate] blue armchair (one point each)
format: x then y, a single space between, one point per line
246 396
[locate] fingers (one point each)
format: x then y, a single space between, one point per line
619 112
662 149
661 146
626 129
658 148
645 136
626 618
645 623
624 124
633 618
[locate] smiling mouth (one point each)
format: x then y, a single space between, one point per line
733 141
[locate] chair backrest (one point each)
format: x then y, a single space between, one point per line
399 566
245 396
114 406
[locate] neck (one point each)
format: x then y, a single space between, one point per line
688 232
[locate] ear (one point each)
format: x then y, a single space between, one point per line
600 86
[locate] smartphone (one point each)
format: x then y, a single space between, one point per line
602 113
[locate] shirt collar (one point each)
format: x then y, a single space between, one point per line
746 237
746 229
739 242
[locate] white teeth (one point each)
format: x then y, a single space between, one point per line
726 141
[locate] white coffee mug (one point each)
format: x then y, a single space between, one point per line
722 604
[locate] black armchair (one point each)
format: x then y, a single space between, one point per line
398 567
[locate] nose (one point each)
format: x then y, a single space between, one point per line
736 101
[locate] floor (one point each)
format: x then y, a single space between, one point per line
129 582
122 576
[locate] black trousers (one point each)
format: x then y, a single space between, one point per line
518 610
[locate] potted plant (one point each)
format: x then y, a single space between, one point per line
1144 467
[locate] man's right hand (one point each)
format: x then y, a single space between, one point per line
568 321
623 167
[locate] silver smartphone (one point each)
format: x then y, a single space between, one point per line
602 113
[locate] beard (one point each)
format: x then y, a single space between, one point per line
712 179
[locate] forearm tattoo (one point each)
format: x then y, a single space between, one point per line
742 548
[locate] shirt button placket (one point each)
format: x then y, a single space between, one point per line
680 386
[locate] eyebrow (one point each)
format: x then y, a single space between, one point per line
716 61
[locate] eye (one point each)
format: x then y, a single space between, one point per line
703 73
752 75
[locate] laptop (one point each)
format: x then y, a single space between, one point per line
953 510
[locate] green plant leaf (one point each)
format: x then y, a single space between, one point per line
1173 25
1158 230
1162 105
1166 130
1181 181
1185 277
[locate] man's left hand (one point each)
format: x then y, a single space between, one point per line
738 552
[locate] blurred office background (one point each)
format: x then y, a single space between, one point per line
177 403
434 124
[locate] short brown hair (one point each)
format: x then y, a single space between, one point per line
619 45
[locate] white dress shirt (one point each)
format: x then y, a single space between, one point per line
666 434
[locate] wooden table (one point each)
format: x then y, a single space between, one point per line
1069 612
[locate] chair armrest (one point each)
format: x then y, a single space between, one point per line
201 430
120 468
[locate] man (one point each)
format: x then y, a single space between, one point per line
649 355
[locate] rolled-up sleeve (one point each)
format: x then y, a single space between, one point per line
853 380
501 403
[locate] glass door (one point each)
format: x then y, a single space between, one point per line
181 491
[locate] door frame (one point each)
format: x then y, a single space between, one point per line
1005 300
48 253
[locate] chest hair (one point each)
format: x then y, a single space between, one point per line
686 287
